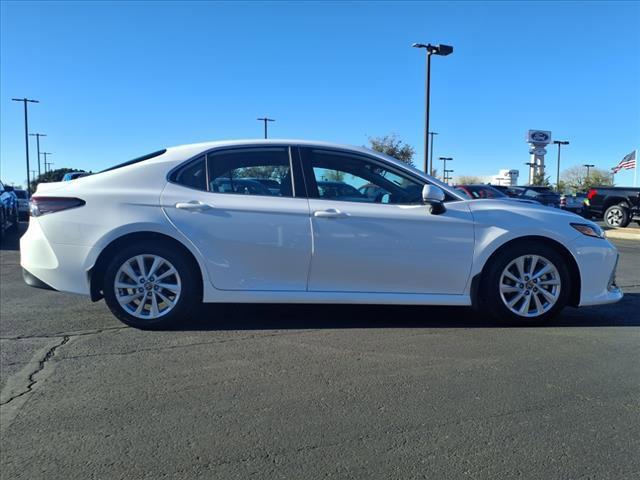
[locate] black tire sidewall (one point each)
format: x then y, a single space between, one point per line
189 297
491 283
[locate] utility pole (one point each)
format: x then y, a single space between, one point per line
444 166
26 132
33 175
443 51
559 143
44 154
265 120
38 135
431 152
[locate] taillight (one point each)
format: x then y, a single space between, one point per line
42 205
592 193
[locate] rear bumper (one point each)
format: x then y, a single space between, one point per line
34 281
54 266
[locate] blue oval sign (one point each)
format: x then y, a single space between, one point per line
539 137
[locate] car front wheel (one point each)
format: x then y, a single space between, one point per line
526 283
150 287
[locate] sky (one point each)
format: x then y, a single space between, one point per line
116 80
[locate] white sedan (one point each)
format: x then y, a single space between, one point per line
286 222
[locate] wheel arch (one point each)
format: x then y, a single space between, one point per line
572 265
610 201
96 273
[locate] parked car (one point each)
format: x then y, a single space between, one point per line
543 195
574 203
617 206
481 191
158 251
73 175
8 209
23 203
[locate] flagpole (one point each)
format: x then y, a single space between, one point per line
635 171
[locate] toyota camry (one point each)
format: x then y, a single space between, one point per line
276 221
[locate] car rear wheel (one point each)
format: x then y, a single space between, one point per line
150 287
616 216
526 283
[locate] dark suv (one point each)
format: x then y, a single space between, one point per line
543 195
8 209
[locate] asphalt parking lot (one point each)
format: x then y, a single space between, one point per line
317 391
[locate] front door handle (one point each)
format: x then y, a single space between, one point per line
330 213
193 205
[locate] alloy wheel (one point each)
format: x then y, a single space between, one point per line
530 286
147 286
614 217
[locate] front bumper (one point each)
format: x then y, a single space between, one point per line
597 261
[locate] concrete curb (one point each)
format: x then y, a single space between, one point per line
630 234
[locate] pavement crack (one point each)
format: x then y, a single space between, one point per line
80 333
41 364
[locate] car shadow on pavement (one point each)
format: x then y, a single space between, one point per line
282 317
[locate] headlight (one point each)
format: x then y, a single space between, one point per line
589 230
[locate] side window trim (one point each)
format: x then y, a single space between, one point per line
297 176
309 176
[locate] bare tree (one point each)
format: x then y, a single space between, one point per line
468 180
575 178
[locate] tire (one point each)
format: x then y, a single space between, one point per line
14 221
134 305
496 284
616 216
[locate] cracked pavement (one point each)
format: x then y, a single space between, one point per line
317 391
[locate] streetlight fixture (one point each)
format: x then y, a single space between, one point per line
559 143
265 120
444 165
589 167
44 154
443 51
26 133
38 135
446 176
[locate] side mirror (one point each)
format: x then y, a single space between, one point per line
434 196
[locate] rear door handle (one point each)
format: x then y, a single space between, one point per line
330 213
193 205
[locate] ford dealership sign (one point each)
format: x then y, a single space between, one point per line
539 137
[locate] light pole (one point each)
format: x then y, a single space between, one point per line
265 120
431 152
26 132
530 164
444 166
589 167
446 176
38 135
443 51
559 143
44 154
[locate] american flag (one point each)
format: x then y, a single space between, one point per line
627 163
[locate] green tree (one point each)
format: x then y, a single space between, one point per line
393 146
540 180
51 176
